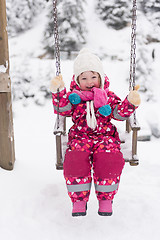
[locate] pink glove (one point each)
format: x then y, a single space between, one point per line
100 97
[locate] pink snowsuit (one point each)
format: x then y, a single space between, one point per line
90 150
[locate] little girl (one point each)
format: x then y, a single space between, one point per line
94 143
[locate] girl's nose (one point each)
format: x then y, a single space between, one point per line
90 83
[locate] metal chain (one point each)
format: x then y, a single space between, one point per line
133 47
56 38
133 51
57 53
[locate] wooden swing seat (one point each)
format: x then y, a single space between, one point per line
128 146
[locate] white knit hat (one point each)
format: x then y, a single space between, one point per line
87 61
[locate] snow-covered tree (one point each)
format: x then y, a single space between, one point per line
71 26
148 32
21 13
150 7
144 68
151 10
115 13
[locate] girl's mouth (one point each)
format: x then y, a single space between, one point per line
89 87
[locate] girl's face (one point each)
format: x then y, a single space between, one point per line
87 80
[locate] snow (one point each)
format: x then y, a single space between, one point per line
2 69
34 200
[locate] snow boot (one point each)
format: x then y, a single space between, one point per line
79 208
105 208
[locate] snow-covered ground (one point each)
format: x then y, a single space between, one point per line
34 200
33 197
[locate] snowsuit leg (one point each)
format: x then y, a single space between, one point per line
108 163
103 153
77 170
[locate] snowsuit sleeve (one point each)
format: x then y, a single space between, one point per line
61 99
121 110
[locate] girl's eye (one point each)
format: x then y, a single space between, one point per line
94 77
83 78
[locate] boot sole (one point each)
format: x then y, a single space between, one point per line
77 214
105 213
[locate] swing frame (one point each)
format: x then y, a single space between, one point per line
132 126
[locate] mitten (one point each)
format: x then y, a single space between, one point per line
56 83
134 97
101 100
74 98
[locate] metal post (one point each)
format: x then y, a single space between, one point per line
7 153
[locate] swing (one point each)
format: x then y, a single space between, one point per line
129 143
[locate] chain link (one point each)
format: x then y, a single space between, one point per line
56 38
133 52
133 47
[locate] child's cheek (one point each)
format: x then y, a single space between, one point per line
97 85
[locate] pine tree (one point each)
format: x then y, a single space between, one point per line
151 6
148 11
71 26
144 68
21 13
151 10
115 13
